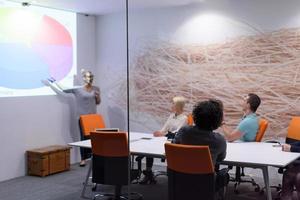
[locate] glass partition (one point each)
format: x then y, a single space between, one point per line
204 50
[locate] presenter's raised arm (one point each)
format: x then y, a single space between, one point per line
55 87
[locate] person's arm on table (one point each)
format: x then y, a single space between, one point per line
229 134
294 147
164 129
158 134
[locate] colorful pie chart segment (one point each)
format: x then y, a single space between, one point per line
32 47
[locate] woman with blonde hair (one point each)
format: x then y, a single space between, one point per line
175 121
86 98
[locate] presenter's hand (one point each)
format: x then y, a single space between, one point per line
97 98
51 80
45 82
286 147
158 134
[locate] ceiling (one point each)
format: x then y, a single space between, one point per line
101 7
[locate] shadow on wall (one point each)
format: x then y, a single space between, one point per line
116 117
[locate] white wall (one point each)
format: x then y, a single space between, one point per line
86 42
206 22
111 66
32 122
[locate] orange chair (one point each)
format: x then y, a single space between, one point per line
190 120
293 132
263 125
90 122
110 162
191 172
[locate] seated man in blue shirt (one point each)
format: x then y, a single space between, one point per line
248 126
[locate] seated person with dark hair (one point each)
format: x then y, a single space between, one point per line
291 176
247 129
208 116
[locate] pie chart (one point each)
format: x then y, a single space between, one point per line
33 47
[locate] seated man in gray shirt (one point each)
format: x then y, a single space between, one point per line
208 116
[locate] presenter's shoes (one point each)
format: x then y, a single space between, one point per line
82 163
148 178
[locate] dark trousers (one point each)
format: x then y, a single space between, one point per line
84 152
222 178
291 179
149 161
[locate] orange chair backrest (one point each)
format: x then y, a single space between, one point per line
294 128
190 120
189 159
263 125
109 144
90 122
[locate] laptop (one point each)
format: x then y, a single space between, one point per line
107 129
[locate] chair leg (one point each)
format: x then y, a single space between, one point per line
117 191
221 194
238 180
86 181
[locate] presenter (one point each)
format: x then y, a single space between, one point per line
86 97
176 120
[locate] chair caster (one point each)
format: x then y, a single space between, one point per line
279 187
94 188
261 192
257 189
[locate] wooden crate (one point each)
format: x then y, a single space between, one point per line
48 160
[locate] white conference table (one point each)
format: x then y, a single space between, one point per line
248 154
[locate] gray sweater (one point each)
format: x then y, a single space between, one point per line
192 135
85 101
